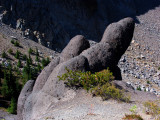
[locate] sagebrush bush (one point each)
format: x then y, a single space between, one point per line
98 84
153 108
132 117
10 51
16 44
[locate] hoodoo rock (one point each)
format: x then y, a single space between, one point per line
49 92
42 78
119 35
26 91
74 48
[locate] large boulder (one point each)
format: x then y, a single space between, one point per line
54 91
42 78
99 56
119 36
115 41
49 92
26 91
74 48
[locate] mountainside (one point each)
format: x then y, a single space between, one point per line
54 22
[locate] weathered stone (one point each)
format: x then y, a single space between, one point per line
26 91
53 90
100 56
74 48
42 78
119 36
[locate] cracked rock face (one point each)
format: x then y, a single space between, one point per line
48 91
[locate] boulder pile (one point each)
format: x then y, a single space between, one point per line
47 91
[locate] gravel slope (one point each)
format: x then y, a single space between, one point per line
141 61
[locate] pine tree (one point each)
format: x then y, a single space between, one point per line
8 86
24 57
39 67
10 51
43 63
13 106
19 64
17 56
5 86
30 51
47 61
37 53
4 55
16 44
37 58
30 60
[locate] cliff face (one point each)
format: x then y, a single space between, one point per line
53 22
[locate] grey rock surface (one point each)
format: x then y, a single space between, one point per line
26 91
42 78
54 91
76 45
119 36
52 95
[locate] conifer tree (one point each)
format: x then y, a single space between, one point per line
37 53
37 58
24 57
30 60
39 67
5 86
13 106
17 56
4 55
19 64
30 51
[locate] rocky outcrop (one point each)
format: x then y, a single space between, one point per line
74 48
49 92
54 22
26 91
42 78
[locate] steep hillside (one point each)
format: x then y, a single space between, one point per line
54 22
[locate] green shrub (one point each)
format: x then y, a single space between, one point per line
16 44
17 55
153 108
139 88
24 57
98 84
132 117
37 58
45 62
133 109
19 64
13 106
148 82
30 51
37 53
4 55
12 41
10 51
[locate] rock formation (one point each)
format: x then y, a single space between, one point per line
48 91
54 22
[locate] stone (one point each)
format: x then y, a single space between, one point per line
49 92
42 78
119 35
54 90
26 91
74 48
